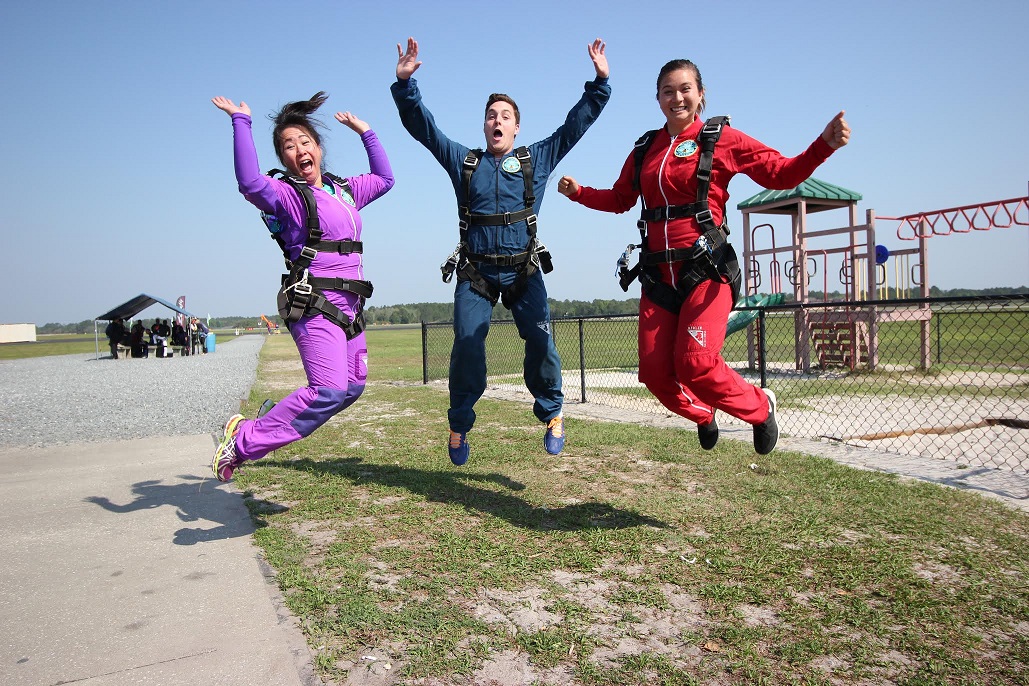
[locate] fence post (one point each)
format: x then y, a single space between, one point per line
939 336
425 354
761 347
582 364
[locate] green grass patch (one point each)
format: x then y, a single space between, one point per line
633 558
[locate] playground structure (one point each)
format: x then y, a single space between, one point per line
848 335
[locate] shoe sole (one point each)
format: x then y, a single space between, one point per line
230 431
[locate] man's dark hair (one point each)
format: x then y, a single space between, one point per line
503 97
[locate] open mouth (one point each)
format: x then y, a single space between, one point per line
306 165
497 134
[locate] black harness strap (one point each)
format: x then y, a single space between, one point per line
301 293
462 261
711 257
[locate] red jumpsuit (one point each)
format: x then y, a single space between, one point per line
680 355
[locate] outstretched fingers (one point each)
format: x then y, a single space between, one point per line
229 107
596 51
352 122
407 62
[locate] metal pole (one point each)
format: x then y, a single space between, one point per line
425 354
761 348
582 363
939 337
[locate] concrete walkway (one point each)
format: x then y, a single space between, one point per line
126 563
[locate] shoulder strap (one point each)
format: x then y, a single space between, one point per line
468 167
525 160
709 135
639 151
341 182
314 231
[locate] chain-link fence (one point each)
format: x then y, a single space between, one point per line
942 377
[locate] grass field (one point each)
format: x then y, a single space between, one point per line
633 558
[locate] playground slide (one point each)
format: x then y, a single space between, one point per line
739 320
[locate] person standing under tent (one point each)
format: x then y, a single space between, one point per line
688 270
115 333
315 218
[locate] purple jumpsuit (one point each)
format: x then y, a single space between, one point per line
336 368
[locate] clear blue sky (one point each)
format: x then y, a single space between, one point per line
117 175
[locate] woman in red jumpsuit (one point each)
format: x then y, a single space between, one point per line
680 353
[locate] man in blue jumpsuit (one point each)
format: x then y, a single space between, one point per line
498 257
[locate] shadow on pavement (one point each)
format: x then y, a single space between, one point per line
195 500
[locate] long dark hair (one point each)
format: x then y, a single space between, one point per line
298 114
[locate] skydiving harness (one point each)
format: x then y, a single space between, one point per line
711 257
463 262
301 293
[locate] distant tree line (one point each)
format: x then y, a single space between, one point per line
444 312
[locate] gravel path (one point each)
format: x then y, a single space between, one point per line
76 398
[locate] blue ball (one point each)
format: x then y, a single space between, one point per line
882 253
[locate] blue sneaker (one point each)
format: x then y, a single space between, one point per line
458 448
554 439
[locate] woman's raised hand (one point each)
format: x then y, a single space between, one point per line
352 122
229 107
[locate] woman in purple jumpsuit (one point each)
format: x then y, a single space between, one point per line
336 367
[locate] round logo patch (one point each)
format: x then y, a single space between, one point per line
511 165
686 148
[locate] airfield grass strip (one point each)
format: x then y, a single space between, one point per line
633 558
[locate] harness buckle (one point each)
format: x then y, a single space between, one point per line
711 128
309 253
541 258
622 263
450 264
507 219
301 287
704 217
702 246
641 224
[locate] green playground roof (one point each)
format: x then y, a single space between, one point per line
811 190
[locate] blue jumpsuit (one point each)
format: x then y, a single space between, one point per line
495 190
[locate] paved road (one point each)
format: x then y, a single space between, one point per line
126 563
